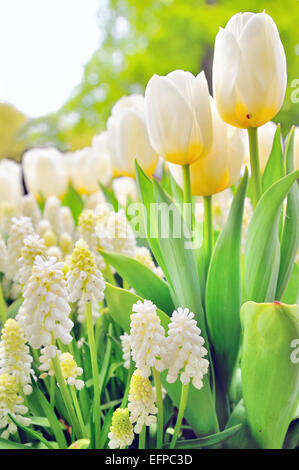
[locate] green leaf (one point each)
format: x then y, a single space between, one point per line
13 309
208 441
74 201
40 421
7 444
290 233
146 194
223 292
110 196
145 282
274 168
120 302
291 293
262 250
34 434
244 438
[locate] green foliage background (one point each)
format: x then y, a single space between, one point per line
143 37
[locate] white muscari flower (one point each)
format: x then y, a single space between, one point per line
143 255
185 351
43 227
33 246
11 403
70 370
87 223
7 212
20 228
147 338
45 310
52 213
126 348
46 355
95 310
95 199
67 224
29 208
118 235
84 279
121 431
125 189
3 255
66 243
15 358
55 251
141 402
50 238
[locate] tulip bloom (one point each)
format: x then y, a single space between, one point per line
11 188
178 116
45 172
249 70
90 165
128 138
221 167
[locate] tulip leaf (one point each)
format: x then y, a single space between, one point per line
223 292
291 293
120 302
208 441
290 233
262 249
110 196
244 438
74 201
274 168
146 194
145 282
270 379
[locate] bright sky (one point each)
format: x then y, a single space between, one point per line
44 45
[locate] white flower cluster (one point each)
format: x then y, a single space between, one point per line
182 352
121 431
87 228
3 255
185 351
33 246
118 235
141 402
45 310
143 255
84 279
29 208
126 348
147 338
15 358
71 371
20 228
11 403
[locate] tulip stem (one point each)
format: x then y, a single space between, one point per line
208 231
187 195
182 407
256 184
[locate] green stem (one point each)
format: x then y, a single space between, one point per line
95 374
109 275
126 394
182 406
141 443
208 231
159 401
256 184
2 307
66 398
77 407
187 196
52 391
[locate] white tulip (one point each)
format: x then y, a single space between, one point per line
178 116
249 70
89 166
128 137
11 189
45 172
221 167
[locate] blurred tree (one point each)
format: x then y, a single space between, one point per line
155 36
11 121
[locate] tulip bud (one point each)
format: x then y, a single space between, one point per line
10 182
178 116
45 172
249 70
221 167
270 379
89 166
128 137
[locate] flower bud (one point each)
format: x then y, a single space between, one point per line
270 379
249 70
